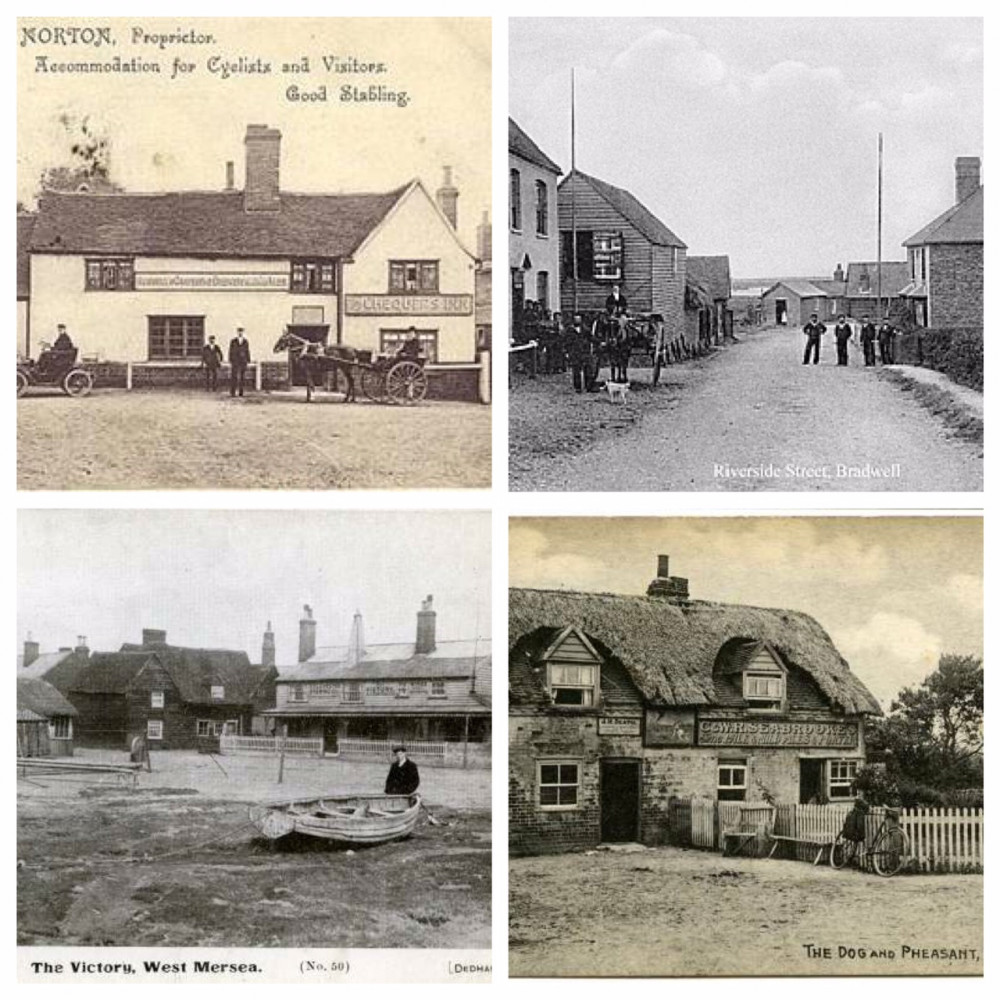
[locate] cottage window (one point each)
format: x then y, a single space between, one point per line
209 727
298 693
61 728
558 784
402 690
764 692
351 693
154 729
390 341
607 256
438 690
841 779
541 208
110 275
156 699
515 200
732 781
414 276
573 683
218 692
176 338
313 274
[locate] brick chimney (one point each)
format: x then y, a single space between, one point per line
31 651
81 648
447 199
667 587
356 642
154 637
966 177
307 635
484 238
426 626
230 175
838 273
267 657
263 158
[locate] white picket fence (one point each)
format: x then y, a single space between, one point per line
292 745
382 749
944 839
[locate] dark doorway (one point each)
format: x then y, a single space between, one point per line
330 728
780 312
810 781
619 801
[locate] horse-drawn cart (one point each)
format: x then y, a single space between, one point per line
54 368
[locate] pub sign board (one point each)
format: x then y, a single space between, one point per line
776 733
669 728
408 305
619 726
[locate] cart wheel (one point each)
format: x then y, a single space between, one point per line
373 384
406 383
22 383
657 365
77 382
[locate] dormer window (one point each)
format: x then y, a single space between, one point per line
764 691
573 684
218 692
754 669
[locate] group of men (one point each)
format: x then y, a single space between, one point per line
843 332
239 361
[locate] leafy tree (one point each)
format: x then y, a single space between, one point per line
90 160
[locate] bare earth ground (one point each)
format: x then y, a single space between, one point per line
751 404
188 440
673 912
175 862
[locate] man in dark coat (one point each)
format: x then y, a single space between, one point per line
842 331
868 340
886 338
403 779
615 304
211 361
63 341
813 330
579 349
239 358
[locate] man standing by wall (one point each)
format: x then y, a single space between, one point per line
239 359
813 330
886 338
211 360
868 340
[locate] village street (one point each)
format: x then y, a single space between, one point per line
751 417
667 911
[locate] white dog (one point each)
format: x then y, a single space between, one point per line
618 391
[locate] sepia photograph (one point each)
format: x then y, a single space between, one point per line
252 730
745 254
221 222
746 746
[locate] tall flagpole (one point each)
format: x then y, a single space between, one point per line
572 175
878 311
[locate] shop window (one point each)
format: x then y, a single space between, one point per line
541 208
558 784
61 728
841 779
156 699
313 274
732 785
414 276
154 729
515 200
573 684
390 341
298 693
764 692
110 275
176 338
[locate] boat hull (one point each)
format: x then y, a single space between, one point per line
347 819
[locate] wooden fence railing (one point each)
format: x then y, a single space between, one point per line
293 745
382 749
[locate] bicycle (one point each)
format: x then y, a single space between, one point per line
889 851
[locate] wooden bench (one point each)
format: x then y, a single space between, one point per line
821 843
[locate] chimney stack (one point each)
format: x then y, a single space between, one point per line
669 588
838 273
356 643
81 646
263 158
484 239
307 635
267 657
154 637
426 626
230 175
966 177
31 651
447 199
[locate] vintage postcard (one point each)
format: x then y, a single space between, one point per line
220 220
243 761
746 254
746 746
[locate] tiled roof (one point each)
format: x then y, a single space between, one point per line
42 664
962 223
712 273
521 144
195 671
895 274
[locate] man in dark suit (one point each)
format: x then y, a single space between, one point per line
813 330
403 779
842 331
886 345
579 349
868 340
615 304
239 358
211 361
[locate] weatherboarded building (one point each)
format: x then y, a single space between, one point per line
619 703
44 720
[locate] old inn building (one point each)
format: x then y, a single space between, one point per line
619 702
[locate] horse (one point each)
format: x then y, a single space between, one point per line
614 333
316 359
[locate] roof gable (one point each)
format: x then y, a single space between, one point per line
962 223
799 287
571 644
522 145
196 671
895 275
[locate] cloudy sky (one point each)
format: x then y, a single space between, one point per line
177 134
757 137
893 593
214 578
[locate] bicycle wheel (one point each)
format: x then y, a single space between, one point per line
842 851
889 852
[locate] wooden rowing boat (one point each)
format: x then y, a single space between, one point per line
349 819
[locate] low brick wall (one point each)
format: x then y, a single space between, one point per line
460 384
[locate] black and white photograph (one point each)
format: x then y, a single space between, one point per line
745 254
746 746
254 730
220 222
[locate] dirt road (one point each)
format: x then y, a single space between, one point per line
751 417
673 912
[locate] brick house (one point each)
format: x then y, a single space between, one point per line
619 702
619 241
945 290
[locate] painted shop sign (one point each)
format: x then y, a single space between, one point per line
607 726
211 281
767 733
669 728
408 305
